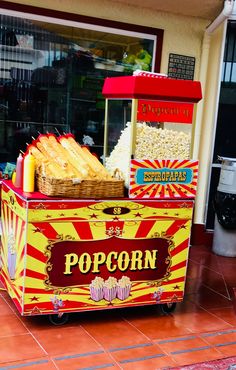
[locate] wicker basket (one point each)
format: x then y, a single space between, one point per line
69 188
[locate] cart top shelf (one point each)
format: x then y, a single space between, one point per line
143 87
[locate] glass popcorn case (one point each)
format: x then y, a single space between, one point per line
148 124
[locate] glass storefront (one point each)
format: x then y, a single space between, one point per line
51 78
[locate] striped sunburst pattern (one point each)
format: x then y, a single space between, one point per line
26 256
168 189
13 253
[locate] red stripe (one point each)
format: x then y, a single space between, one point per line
136 189
137 163
144 228
174 281
20 241
11 285
35 291
150 164
182 163
154 190
35 274
178 266
180 247
83 230
174 227
187 187
48 231
173 163
142 193
35 253
193 164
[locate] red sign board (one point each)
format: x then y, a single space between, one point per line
74 263
163 111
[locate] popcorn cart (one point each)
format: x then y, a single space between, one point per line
62 255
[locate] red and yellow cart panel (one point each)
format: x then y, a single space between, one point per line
73 255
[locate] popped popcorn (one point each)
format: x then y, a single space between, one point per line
151 143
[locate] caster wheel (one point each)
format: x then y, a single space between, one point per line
167 308
59 320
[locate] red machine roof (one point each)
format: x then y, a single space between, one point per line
143 87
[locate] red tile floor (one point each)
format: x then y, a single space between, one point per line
202 328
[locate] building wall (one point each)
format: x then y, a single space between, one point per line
215 43
182 35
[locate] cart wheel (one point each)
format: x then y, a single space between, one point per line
167 308
59 319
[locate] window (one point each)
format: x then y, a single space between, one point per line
52 72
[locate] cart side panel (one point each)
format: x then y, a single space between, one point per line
70 245
13 217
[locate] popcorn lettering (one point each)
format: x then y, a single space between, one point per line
136 260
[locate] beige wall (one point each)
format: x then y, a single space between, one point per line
182 35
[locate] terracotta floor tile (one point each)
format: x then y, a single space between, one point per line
227 350
41 322
114 333
43 363
11 325
66 340
9 303
227 314
136 351
156 326
181 343
201 321
5 308
204 256
152 362
209 299
215 281
96 360
220 338
19 347
199 355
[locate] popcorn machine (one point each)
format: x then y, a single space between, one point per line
149 118
63 255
